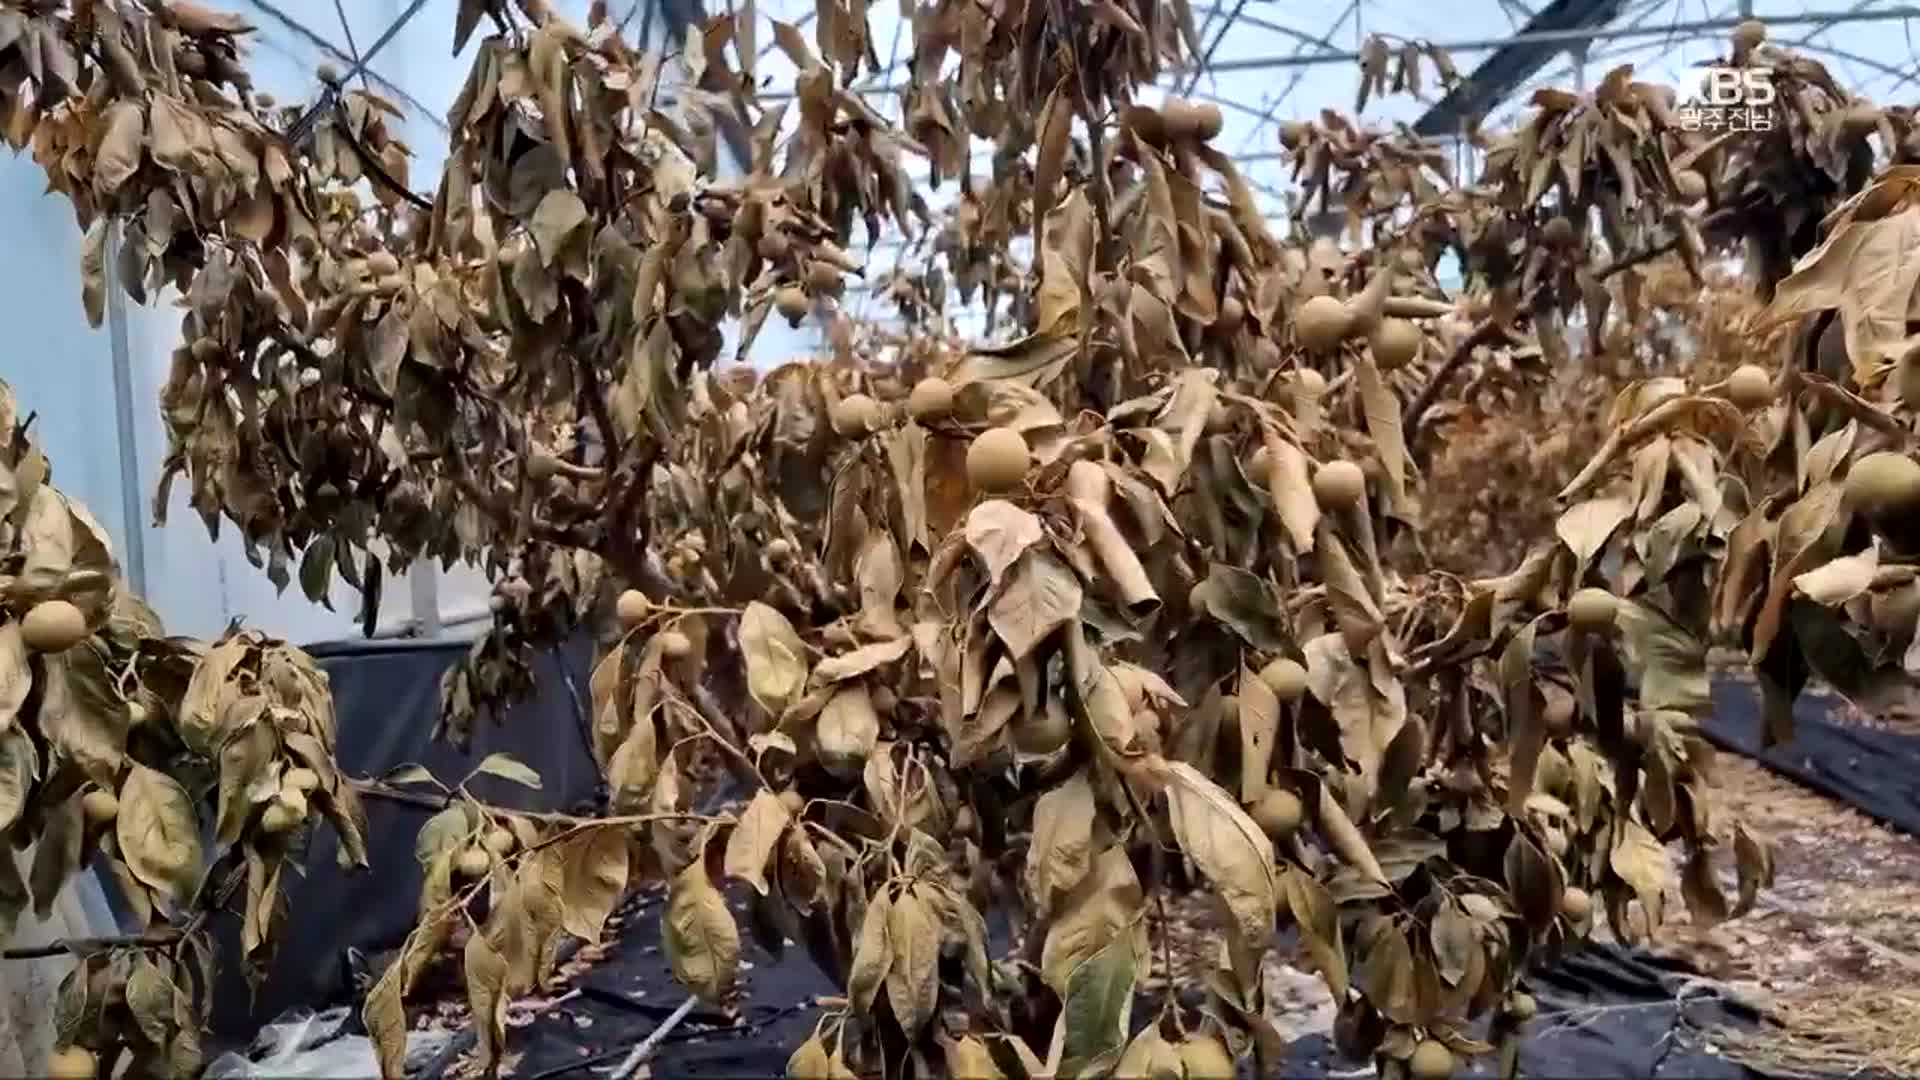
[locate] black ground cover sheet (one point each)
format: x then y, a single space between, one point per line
386 696
1605 1013
1876 772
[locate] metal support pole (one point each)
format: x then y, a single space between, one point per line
1579 34
423 583
135 564
1535 37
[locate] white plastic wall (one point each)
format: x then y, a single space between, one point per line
62 369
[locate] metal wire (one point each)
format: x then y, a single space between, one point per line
303 126
347 29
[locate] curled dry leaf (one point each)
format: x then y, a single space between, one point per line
523 373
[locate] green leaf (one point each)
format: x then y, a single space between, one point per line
1248 605
316 570
445 832
1669 661
1098 1002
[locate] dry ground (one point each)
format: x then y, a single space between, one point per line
1832 951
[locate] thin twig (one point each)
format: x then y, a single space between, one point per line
80 946
640 1052
150 939
378 790
1490 327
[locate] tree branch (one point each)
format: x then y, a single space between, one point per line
150 939
1489 328
153 939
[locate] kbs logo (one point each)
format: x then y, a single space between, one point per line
1731 99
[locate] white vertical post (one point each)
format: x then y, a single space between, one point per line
135 563
423 582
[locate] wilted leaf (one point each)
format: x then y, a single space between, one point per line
594 865
1369 709
1000 532
848 728
913 938
1386 972
243 765
1062 846
861 660
158 834
1107 904
16 678
19 769
1259 722
776 658
1842 579
1535 880
872 953
1586 528
1290 485
1700 887
1314 912
1641 862
56 854
1454 938
1753 861
386 1019
149 995
1227 846
508 767
486 977
1526 730
1042 595
560 212
1382 410
967 1057
699 934
752 842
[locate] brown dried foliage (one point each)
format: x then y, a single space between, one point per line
186 770
1199 623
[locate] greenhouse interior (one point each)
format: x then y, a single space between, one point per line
979 538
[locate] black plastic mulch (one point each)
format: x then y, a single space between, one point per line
1876 772
1604 1013
386 698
